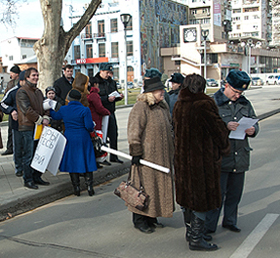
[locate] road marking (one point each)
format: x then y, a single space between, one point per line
256 235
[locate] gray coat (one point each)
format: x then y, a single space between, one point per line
239 158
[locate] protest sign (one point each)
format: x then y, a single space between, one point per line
49 151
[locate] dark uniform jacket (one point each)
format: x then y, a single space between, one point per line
107 87
239 158
62 87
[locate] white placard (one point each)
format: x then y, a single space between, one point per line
49 151
105 123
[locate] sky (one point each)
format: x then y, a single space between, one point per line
29 22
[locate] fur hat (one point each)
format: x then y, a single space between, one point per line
238 80
80 82
74 95
21 75
177 77
105 67
153 72
15 69
50 88
153 84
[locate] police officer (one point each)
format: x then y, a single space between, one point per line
232 107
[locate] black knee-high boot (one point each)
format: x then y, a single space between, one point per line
197 241
187 219
89 183
75 179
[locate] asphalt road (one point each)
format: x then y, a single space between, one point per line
100 226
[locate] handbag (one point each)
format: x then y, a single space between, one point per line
132 196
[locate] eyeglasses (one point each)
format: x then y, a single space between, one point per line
236 91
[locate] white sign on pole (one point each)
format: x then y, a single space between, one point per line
49 151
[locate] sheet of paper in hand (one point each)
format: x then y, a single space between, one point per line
115 94
49 151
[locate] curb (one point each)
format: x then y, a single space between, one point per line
57 191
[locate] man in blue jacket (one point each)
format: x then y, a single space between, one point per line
232 107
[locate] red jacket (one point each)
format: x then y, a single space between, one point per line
96 108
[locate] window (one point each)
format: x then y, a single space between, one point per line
193 11
238 27
116 73
246 17
23 56
77 52
115 49
90 72
178 62
129 48
89 51
129 25
101 28
114 25
101 49
88 31
11 58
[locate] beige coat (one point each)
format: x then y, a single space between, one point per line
150 135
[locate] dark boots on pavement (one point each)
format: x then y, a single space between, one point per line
197 242
75 179
89 183
187 213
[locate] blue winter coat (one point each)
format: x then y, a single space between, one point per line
79 154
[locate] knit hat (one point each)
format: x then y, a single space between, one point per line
177 77
15 69
153 72
74 95
21 75
239 80
153 84
105 67
50 88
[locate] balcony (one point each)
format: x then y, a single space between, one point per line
86 36
99 35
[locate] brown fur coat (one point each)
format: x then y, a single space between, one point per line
201 138
150 135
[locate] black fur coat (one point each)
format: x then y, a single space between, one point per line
201 138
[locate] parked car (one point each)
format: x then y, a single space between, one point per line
272 79
211 82
256 81
118 86
130 85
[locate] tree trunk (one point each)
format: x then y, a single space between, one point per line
55 42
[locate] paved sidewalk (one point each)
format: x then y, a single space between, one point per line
15 198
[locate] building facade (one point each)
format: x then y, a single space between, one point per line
154 24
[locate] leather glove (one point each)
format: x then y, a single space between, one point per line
136 160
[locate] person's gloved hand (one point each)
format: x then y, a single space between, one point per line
136 160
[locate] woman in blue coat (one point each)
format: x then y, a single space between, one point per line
78 157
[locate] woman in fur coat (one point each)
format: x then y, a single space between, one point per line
201 138
150 138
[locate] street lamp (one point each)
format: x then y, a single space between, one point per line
125 18
204 34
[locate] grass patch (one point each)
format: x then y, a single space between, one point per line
131 96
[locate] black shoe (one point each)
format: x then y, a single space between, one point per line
40 181
105 162
145 229
232 228
208 231
7 152
116 160
98 165
156 225
30 185
19 173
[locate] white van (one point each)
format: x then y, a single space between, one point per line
272 79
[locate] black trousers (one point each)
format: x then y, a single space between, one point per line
10 135
113 134
142 220
232 189
36 174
